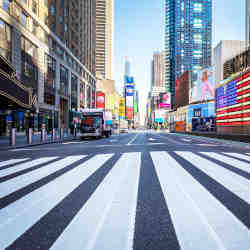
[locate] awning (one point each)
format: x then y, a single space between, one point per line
13 89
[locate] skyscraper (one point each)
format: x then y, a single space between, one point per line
157 78
188 38
247 25
127 67
104 38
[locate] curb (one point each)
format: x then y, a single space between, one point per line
38 144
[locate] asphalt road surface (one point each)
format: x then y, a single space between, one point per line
141 191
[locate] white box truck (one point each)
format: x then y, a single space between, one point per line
94 123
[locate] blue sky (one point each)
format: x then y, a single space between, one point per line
139 31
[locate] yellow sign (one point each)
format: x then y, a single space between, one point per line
122 107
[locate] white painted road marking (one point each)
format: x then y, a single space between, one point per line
96 216
25 165
233 182
131 141
239 156
13 161
22 214
21 181
191 233
230 161
223 225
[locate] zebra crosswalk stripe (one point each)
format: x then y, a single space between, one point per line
12 161
233 182
107 220
222 222
240 156
25 165
112 215
21 181
183 209
22 214
230 161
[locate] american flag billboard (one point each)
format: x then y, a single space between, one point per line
233 102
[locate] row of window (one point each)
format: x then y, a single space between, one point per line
33 27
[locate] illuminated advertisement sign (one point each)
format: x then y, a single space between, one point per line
205 85
181 97
232 102
129 80
122 108
129 113
159 116
129 102
100 100
165 100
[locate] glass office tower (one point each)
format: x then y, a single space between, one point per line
188 38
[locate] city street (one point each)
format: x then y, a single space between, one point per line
142 190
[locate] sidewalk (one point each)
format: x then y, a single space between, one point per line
21 140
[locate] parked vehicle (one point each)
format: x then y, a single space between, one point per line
123 126
94 123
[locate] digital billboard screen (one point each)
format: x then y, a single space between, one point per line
165 100
100 100
181 97
205 85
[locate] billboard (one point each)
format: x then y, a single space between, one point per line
181 97
159 116
129 80
205 85
129 102
129 113
122 108
232 103
165 100
100 100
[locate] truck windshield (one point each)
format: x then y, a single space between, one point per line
91 121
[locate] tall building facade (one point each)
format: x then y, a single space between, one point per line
51 45
188 38
104 38
247 23
158 69
127 67
225 50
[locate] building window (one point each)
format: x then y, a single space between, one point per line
197 38
23 19
197 53
197 7
182 22
46 3
50 72
61 19
197 23
52 10
34 6
6 5
74 83
29 63
64 80
5 40
33 27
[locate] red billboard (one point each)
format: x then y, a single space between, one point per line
129 113
181 97
100 100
